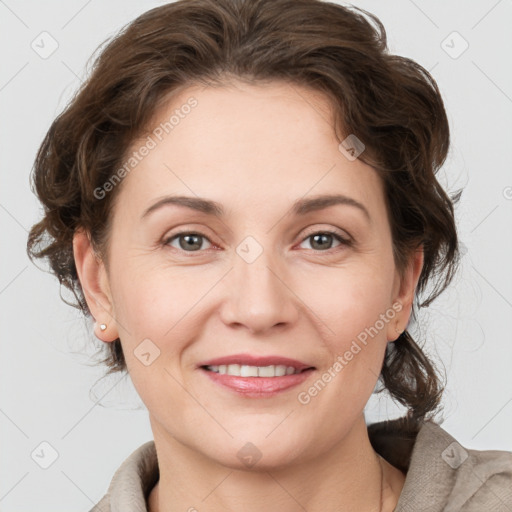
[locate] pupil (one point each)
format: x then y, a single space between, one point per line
191 242
321 237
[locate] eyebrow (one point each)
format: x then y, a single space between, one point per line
300 207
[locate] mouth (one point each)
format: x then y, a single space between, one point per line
256 377
242 370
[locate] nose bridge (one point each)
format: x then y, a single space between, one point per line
259 298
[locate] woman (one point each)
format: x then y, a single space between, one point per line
189 188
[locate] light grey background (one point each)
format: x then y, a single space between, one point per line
50 388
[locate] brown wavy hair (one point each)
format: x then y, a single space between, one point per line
391 103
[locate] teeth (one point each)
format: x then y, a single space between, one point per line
248 371
253 371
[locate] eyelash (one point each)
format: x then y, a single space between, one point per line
342 240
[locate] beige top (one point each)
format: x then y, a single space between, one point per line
441 475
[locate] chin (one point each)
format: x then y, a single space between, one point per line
255 453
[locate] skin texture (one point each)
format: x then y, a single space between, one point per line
255 149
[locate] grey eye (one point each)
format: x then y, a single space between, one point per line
323 240
189 242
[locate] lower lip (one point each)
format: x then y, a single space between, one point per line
257 387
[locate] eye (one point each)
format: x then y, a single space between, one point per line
190 241
322 240
187 241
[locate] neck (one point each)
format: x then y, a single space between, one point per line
350 477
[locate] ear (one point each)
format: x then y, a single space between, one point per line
404 296
95 285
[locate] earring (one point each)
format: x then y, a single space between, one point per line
103 327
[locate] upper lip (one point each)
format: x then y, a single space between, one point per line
253 360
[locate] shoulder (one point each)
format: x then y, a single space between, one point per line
443 475
132 482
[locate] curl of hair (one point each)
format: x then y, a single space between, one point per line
391 103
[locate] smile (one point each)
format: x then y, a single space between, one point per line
253 371
256 381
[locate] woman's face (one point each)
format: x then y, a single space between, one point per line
268 273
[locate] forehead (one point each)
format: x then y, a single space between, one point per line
246 145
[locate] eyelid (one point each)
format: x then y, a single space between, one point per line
344 235
189 229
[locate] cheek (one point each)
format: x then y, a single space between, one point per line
160 310
155 310
351 300
356 310
151 299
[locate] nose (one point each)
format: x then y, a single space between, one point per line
258 297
